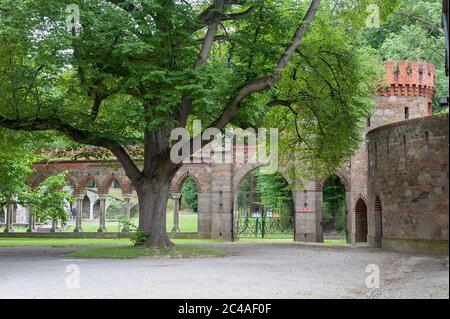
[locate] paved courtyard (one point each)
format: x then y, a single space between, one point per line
249 271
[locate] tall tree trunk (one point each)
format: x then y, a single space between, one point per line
153 193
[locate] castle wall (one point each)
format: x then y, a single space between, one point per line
408 175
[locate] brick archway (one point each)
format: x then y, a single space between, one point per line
178 183
82 183
125 184
320 184
37 179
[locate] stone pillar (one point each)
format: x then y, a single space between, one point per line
126 200
102 202
31 221
91 208
307 213
204 214
9 219
176 218
79 214
350 215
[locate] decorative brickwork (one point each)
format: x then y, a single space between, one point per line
407 78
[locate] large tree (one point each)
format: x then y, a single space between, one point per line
137 69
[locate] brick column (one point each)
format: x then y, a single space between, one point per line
126 200
102 201
176 197
78 214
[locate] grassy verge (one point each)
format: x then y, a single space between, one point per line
15 242
130 252
339 242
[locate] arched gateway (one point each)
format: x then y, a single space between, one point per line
217 185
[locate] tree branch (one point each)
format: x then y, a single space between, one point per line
78 135
267 81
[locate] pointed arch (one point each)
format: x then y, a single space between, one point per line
125 184
320 184
178 182
39 178
82 183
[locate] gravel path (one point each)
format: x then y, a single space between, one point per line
249 271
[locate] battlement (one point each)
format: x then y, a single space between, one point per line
409 78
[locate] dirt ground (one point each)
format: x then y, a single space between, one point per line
251 270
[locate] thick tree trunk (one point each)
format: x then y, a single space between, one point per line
153 194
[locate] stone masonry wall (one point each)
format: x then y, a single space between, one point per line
408 175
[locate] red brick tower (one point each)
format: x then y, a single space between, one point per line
407 95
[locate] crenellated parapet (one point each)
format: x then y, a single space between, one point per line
409 78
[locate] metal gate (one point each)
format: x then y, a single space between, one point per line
334 226
331 228
264 224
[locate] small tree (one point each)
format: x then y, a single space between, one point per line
46 202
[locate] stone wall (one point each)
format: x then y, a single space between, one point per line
408 185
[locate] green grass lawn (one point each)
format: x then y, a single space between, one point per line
129 252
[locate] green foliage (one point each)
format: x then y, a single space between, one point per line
115 209
139 68
272 191
189 195
18 152
138 236
15 165
46 201
414 32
